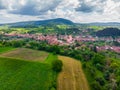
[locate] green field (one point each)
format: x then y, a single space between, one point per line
16 74
50 58
5 49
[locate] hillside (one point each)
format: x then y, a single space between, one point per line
108 32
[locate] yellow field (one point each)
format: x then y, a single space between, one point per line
72 76
26 54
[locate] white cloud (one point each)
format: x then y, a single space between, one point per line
75 10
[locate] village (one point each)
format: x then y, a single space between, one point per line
69 40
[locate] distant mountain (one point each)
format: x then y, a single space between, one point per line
41 22
58 21
105 24
108 32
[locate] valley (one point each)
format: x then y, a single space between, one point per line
59 55
59 44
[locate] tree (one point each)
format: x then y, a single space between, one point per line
95 86
99 66
98 59
100 80
19 43
95 49
57 65
114 66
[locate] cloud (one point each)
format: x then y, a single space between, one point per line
89 6
116 0
36 7
85 8
27 9
30 7
1 5
75 10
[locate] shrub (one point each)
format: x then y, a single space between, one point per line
99 66
84 65
57 65
98 59
100 80
95 86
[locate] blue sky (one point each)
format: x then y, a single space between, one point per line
80 11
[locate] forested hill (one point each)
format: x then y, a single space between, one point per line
108 32
41 22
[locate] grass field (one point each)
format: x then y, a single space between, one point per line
27 54
51 57
5 49
72 76
19 74
22 75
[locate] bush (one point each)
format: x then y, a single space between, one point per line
84 65
52 88
95 86
99 66
100 80
57 65
98 59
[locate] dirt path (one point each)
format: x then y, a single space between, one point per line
72 76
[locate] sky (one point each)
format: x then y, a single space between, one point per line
78 11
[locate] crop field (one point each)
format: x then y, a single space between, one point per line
26 54
72 76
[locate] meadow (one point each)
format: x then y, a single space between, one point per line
19 74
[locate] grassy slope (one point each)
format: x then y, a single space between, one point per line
72 76
18 74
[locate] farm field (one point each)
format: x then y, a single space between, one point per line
72 76
19 74
26 54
